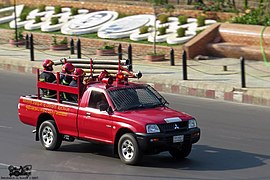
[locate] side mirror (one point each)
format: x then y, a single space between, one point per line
110 110
107 108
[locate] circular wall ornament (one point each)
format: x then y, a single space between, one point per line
88 23
125 26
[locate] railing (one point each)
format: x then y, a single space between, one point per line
58 87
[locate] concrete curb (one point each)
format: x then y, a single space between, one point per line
239 96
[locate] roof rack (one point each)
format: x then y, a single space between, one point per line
94 67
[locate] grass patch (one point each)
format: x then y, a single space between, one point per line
91 36
4 26
27 9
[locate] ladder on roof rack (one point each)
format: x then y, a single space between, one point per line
94 67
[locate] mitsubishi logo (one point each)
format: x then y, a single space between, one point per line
176 126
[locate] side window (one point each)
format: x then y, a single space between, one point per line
96 99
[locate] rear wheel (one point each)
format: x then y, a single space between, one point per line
49 136
128 149
181 152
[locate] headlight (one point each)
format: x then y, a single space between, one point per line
152 128
192 123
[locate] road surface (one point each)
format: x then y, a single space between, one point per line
235 144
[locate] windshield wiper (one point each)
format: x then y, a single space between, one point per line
158 105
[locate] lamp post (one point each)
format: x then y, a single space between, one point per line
15 19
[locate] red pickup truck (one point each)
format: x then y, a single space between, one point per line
132 117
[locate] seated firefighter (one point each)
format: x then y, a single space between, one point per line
48 76
66 77
77 78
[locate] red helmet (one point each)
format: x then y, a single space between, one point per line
102 75
78 72
47 64
68 68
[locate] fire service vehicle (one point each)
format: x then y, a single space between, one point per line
132 117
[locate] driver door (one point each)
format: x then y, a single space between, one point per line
95 124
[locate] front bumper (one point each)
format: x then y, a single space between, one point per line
158 142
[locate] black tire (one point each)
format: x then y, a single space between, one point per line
49 136
128 149
181 152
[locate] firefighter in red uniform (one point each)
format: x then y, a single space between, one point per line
77 78
66 77
48 76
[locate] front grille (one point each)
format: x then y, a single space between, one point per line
173 127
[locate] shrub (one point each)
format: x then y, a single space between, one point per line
162 30
200 21
57 9
181 32
54 20
169 8
37 19
254 17
41 8
54 40
23 16
216 5
106 46
64 41
20 35
144 29
74 11
182 19
163 18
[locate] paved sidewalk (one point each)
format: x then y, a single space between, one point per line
206 78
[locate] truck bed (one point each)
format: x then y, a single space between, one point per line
31 110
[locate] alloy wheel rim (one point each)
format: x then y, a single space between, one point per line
127 149
47 136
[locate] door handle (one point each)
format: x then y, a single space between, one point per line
88 114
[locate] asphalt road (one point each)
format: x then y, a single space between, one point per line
234 144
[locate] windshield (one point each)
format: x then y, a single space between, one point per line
136 97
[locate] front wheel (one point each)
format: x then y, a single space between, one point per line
181 152
49 135
128 149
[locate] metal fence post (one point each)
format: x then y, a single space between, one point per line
79 54
172 57
130 55
32 58
243 77
184 65
71 46
27 41
120 56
